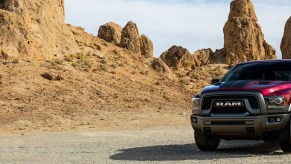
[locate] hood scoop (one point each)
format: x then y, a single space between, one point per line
235 84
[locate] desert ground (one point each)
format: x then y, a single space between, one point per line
161 144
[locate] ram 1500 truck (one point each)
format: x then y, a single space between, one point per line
251 102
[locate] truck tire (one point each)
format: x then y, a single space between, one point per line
206 143
285 138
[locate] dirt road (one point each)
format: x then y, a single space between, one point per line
154 145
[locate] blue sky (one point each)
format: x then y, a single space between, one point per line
193 24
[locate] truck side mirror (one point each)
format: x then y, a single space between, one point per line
214 81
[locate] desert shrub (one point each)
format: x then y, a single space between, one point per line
56 64
83 65
114 66
103 61
115 51
102 67
68 58
80 61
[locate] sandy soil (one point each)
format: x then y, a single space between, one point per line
108 89
164 144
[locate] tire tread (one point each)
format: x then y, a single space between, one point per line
206 143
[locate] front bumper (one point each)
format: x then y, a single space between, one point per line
239 126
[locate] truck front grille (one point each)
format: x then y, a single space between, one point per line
208 101
234 110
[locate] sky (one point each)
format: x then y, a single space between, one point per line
193 24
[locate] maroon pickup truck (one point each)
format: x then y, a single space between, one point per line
251 102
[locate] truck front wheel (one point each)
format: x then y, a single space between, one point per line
285 138
206 143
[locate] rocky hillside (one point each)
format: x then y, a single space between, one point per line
55 76
98 82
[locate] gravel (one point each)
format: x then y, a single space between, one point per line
154 145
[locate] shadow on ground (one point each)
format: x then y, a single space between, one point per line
232 149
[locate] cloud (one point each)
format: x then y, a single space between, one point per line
193 24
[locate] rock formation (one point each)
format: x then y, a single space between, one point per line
130 38
203 56
110 32
160 66
179 58
146 47
219 57
34 29
243 37
286 41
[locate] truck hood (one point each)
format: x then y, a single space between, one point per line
267 88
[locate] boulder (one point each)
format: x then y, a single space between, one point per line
203 56
160 66
179 58
286 41
130 38
110 32
243 36
146 47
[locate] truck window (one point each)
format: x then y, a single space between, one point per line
260 71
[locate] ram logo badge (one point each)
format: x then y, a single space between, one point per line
229 104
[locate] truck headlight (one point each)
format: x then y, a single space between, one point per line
196 104
276 103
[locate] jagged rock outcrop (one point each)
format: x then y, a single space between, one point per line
130 38
219 57
243 37
30 29
286 41
110 32
160 66
146 47
131 41
163 69
203 56
179 58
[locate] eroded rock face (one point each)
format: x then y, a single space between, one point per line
286 41
243 37
110 32
29 29
130 38
160 66
179 58
242 8
203 56
146 47
219 57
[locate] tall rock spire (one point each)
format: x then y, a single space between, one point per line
286 41
130 38
243 36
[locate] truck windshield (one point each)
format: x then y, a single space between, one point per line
260 71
